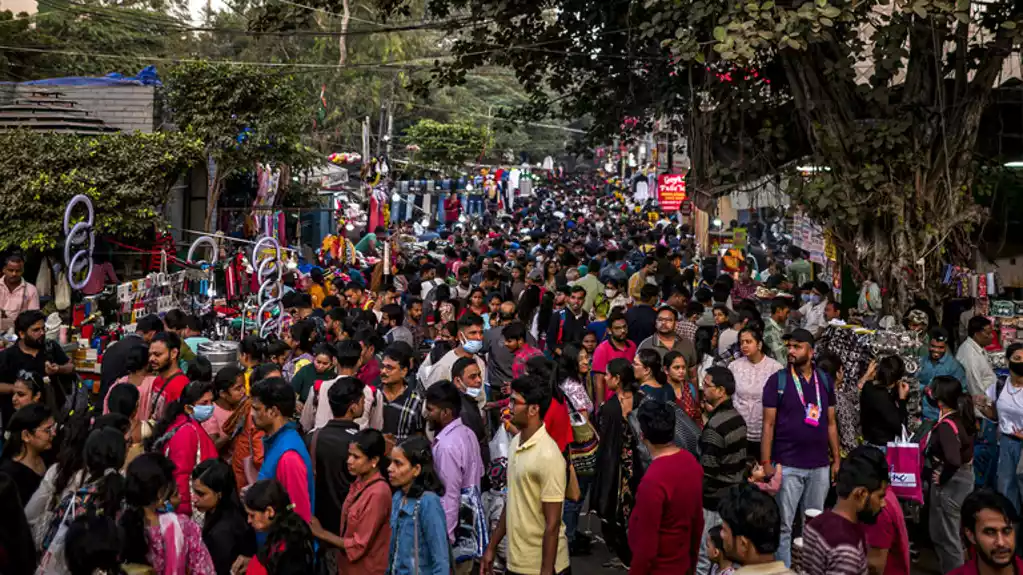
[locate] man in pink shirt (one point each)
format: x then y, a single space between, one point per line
616 346
16 294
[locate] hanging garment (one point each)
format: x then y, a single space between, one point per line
44 280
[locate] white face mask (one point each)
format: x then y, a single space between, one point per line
473 392
610 292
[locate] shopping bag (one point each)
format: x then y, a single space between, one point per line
904 468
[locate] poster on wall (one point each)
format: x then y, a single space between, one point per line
671 191
809 237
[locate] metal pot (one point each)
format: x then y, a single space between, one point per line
219 353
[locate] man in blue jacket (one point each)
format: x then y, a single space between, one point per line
935 361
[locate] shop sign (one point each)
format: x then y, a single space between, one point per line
671 191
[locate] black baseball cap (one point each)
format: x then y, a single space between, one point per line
800 335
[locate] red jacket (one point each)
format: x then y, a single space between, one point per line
189 445
452 208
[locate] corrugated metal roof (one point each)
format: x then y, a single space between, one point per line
49 111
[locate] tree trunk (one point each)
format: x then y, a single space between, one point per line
342 41
211 208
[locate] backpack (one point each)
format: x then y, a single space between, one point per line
783 381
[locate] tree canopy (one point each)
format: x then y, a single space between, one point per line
128 177
883 97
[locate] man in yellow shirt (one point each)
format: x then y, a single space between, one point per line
645 275
536 490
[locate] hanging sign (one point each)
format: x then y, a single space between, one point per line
671 191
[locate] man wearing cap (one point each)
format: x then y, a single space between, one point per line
799 430
937 361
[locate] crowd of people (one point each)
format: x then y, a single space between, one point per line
463 415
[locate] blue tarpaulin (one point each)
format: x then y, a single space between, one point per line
146 77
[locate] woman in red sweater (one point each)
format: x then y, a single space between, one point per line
181 437
365 537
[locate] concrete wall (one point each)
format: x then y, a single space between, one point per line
127 108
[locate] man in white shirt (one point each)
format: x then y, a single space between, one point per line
812 314
979 375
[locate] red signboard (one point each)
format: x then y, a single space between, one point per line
671 191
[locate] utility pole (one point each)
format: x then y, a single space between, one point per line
386 112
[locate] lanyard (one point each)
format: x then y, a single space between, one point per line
799 386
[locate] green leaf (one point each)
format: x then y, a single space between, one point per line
767 5
826 22
1009 25
920 10
720 33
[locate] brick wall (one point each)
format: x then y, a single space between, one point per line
127 108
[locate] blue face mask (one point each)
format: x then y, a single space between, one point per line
815 299
472 346
166 508
202 413
473 392
806 298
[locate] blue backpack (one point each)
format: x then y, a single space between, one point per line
783 381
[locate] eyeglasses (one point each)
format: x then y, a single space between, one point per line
665 320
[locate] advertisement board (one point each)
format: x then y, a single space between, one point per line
671 191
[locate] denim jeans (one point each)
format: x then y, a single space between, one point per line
1008 459
711 519
476 205
944 519
800 489
572 509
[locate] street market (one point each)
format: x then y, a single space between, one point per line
657 287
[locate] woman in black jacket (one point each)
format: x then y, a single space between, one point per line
621 457
225 530
883 402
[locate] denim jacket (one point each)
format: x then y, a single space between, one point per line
431 540
948 366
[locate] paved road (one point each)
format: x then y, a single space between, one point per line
593 564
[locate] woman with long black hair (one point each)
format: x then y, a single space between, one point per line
949 447
224 530
31 432
63 477
652 381
573 367
301 338
252 351
419 533
883 402
621 457
706 344
155 535
288 547
181 437
101 492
